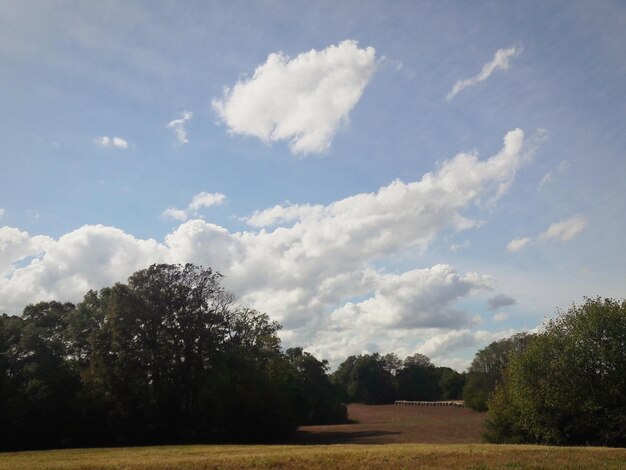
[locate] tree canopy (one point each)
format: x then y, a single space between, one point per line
168 357
569 385
377 379
488 368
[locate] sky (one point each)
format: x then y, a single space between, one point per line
407 176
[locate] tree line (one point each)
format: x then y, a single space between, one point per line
166 358
169 357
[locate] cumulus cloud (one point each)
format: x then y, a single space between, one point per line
499 301
178 125
315 270
500 62
116 142
565 229
199 201
421 298
442 345
304 100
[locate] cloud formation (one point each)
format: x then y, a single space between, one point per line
199 201
178 125
304 100
1 212
116 142
315 271
563 231
500 62
499 301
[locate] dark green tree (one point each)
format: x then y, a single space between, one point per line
569 385
318 399
366 379
418 379
487 369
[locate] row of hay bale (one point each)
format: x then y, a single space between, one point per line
430 403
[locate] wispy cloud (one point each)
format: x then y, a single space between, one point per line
1 212
456 247
500 62
563 230
518 243
199 201
178 125
116 142
303 100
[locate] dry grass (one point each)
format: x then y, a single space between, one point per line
414 438
322 457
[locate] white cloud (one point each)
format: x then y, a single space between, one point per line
303 100
178 125
565 229
443 345
421 298
518 243
116 142
198 202
1 212
315 272
545 180
500 62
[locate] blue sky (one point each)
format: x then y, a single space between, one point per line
318 155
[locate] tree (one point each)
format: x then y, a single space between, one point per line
318 399
418 379
450 383
569 385
487 369
366 379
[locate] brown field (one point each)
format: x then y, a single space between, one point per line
414 438
386 424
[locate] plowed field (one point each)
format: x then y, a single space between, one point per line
384 424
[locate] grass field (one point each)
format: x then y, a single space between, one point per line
383 437
320 457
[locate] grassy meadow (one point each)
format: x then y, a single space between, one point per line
323 457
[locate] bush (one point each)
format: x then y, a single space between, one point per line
569 386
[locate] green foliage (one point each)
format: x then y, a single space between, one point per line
376 379
168 357
366 379
569 385
488 367
318 399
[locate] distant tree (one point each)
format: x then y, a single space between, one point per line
569 386
318 399
487 369
366 379
417 379
450 383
